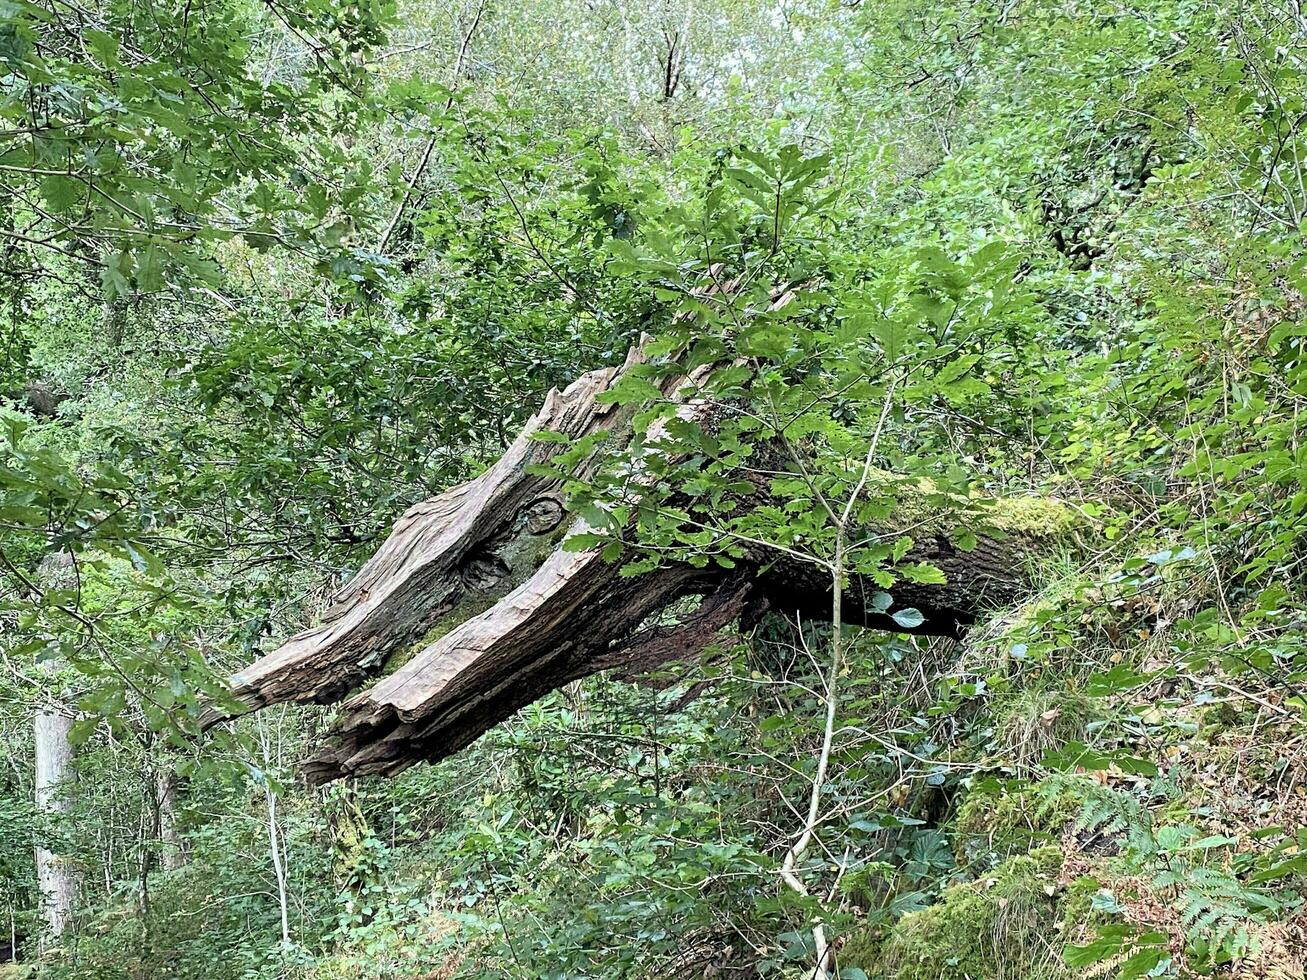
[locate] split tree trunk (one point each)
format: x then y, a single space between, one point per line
519 616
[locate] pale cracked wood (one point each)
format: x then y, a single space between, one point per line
526 616
441 552
569 620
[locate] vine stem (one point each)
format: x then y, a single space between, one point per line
824 959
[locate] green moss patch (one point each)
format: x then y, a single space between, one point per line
1003 823
923 505
1000 927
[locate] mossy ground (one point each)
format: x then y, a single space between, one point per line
1078 912
1000 927
1007 823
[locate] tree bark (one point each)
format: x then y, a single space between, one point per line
520 616
174 844
55 877
53 761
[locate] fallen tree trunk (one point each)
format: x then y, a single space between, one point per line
517 615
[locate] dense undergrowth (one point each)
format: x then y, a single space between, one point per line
1093 211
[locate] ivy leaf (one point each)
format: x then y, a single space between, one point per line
1119 678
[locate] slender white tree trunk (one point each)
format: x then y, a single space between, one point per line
55 877
274 836
54 769
174 845
823 952
278 868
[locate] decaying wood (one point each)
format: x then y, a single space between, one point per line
526 616
470 545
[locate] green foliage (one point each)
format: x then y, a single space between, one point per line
1219 893
135 133
967 269
1002 820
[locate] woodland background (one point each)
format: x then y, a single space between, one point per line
271 272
